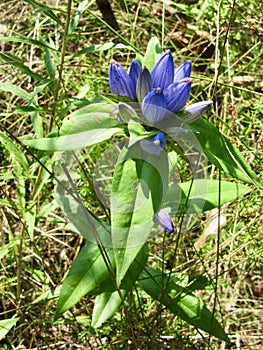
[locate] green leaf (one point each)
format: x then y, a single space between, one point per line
83 220
201 195
181 302
20 166
106 304
37 124
15 90
75 20
139 183
50 64
16 62
28 109
16 154
131 276
86 273
90 117
6 325
5 249
153 53
219 151
46 10
47 295
25 40
72 142
109 301
30 217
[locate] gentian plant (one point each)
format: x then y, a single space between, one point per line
150 124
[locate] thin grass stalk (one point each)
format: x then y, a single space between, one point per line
61 65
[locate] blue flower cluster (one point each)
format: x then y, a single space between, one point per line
164 89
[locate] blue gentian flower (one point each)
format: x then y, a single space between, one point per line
164 220
135 71
154 105
165 88
121 83
143 84
159 140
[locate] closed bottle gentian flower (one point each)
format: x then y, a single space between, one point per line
183 71
163 71
177 94
144 84
135 71
120 81
164 220
154 106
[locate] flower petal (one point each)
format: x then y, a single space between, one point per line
144 84
159 140
164 220
134 72
120 81
163 71
154 106
183 71
195 111
177 95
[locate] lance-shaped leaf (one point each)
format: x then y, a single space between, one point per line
139 183
153 53
90 117
86 273
108 300
181 302
201 195
220 152
72 141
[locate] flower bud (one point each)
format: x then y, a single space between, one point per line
154 106
144 84
120 81
163 71
164 220
177 95
134 72
159 140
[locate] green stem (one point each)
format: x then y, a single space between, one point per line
19 263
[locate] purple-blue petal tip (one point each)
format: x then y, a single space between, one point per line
164 220
183 71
